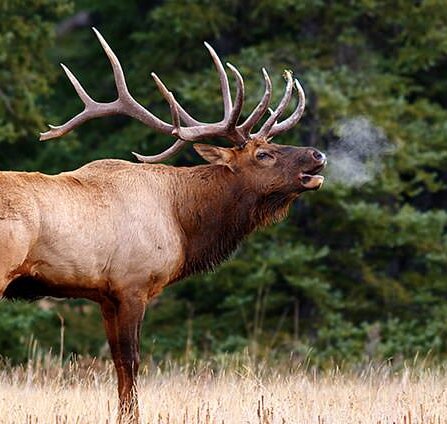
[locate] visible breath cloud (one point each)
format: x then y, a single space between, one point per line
357 156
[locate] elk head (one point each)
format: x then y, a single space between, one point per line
267 167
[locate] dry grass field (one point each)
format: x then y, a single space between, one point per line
45 393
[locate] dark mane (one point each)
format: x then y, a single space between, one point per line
214 230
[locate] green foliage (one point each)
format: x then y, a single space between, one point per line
26 33
355 272
19 323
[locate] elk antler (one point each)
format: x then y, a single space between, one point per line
195 130
125 104
268 130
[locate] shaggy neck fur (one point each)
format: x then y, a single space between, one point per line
217 211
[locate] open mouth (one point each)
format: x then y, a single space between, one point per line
310 179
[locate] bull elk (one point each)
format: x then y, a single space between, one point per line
117 233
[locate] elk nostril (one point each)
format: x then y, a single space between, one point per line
317 155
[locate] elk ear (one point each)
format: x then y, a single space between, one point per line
215 155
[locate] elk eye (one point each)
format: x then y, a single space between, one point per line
263 156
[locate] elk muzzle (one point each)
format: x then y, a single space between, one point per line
310 179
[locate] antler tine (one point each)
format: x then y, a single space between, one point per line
189 120
118 73
260 109
174 149
169 97
86 99
293 119
60 130
225 86
264 132
239 100
80 118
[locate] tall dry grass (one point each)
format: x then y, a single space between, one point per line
79 392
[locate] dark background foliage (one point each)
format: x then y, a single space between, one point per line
357 271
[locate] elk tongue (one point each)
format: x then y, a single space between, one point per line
311 182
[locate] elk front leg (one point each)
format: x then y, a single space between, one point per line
122 321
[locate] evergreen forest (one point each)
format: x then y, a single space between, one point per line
358 271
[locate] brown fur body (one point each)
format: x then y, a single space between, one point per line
107 213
